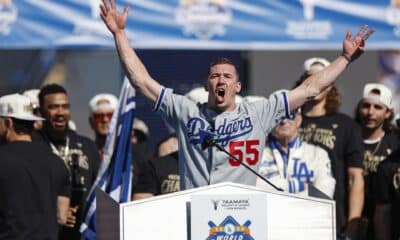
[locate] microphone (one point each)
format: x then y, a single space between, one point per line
209 139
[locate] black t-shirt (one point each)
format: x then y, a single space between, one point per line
388 189
162 176
140 162
374 154
31 178
341 137
82 159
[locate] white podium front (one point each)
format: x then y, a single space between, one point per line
225 211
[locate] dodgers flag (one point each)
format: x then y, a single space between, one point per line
114 176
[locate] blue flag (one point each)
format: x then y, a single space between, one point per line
115 175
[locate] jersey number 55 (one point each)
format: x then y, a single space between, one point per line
244 149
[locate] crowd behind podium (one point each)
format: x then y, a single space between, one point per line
47 167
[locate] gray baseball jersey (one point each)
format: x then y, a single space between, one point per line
241 132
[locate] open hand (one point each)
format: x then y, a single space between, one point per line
353 48
114 21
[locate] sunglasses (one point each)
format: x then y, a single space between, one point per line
292 114
99 117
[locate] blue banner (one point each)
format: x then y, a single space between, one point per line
115 174
201 24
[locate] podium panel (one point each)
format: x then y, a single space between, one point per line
223 211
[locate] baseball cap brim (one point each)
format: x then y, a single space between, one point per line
26 117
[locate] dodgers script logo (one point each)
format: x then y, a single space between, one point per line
225 132
229 229
203 18
8 15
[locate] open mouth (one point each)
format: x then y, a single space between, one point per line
220 92
59 122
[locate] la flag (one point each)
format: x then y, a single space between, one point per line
115 175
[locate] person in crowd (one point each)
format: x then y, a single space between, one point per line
34 183
33 95
162 175
292 164
374 114
324 126
387 210
239 128
79 153
102 107
141 155
140 132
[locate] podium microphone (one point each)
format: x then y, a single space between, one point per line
209 140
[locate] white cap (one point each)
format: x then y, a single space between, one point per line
33 95
103 102
140 126
17 106
253 98
238 99
378 92
198 95
72 125
315 64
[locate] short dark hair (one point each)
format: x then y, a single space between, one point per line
50 89
222 60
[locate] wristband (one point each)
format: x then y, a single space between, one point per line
346 57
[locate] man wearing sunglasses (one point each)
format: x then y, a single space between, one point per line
292 164
102 107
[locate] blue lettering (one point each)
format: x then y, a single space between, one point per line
194 125
235 127
226 131
305 174
221 128
301 172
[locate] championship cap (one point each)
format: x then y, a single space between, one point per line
103 102
200 95
17 106
253 98
33 95
315 64
378 92
139 125
238 98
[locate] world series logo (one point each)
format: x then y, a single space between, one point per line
203 18
229 229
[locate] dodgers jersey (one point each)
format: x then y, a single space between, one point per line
241 132
302 164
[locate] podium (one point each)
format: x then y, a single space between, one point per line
224 211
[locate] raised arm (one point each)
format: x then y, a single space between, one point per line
316 83
135 70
